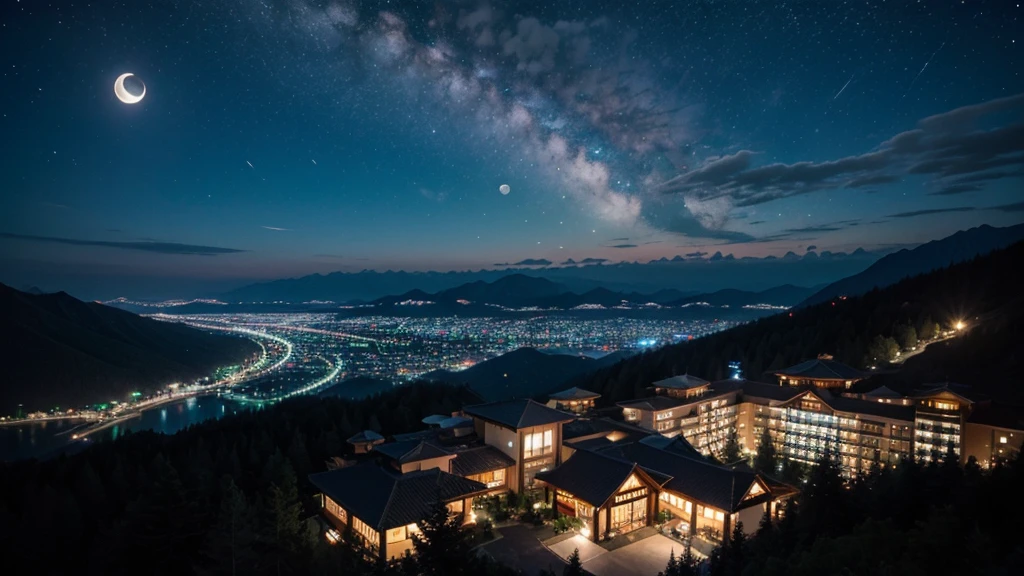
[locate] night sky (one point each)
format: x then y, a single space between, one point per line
285 137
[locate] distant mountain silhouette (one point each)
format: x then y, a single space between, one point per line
689 275
961 246
511 290
59 351
786 295
518 290
523 373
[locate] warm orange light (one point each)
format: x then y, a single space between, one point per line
960 325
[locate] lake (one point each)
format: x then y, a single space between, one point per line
48 439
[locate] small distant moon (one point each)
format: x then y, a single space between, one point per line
504 189
129 88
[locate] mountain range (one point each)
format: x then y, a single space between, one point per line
519 291
57 350
961 246
523 373
689 275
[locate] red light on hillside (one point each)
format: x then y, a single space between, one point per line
790 314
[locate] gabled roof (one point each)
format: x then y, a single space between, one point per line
574 393
480 460
883 392
756 389
592 476
676 445
656 403
962 391
585 428
821 369
365 436
716 486
410 451
517 414
384 499
684 382
857 406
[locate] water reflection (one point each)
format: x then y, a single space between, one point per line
46 439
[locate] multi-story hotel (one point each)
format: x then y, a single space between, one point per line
619 476
809 412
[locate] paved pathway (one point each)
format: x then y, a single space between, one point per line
644 558
519 548
588 550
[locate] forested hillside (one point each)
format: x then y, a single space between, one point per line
60 351
857 331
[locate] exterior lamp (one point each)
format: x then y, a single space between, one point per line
585 532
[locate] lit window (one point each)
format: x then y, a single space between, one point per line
1002 439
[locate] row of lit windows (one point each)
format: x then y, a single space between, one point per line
369 534
537 444
680 503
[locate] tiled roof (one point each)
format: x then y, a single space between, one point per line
684 382
656 403
581 428
883 392
365 436
590 476
517 414
677 445
410 451
869 407
821 369
480 460
574 394
714 485
385 500
962 390
755 389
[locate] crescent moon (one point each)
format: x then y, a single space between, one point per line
123 95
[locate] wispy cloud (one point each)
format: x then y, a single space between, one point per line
622 246
1015 207
916 213
157 247
950 149
275 228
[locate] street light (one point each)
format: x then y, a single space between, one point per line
959 325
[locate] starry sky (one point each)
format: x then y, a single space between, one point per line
285 137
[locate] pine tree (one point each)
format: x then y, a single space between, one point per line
282 534
575 566
229 544
766 459
688 565
732 452
737 550
442 546
672 568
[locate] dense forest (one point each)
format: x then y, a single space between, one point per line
858 329
224 497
